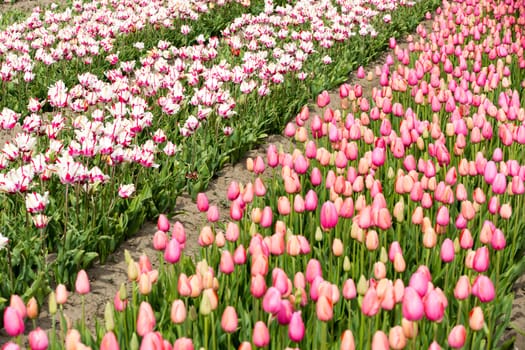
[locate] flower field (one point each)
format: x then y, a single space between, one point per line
394 220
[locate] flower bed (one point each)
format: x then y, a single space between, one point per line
109 153
394 221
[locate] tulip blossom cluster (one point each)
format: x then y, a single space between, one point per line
93 147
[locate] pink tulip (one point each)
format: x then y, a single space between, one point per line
258 165
323 99
258 286
349 289
267 217
476 319
347 340
419 281
481 259
10 346
447 250
178 311
272 301
233 190
463 288
329 216
457 337
151 341
109 342
239 255
183 344
179 233
213 213
371 303
324 308
229 320
284 316
261 335
396 338
313 270
434 346
380 341
202 202
172 252
499 186
413 308
498 240
434 304
296 329
483 288
160 240
163 223
18 304
145 319
82 283
13 322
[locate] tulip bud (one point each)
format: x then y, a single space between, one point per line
52 303
32 308
347 264
108 317
362 285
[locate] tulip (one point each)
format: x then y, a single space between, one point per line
457 336
396 338
434 305
447 250
261 335
178 311
349 289
483 288
229 320
380 341
313 270
324 309
413 308
13 322
463 288
245 346
160 240
434 346
82 283
498 241
202 202
209 301
145 319
172 252
213 213
32 308
163 223
481 259
371 303
323 99
179 233
296 329
272 300
18 304
284 315
152 340
476 319
329 216
10 346
183 344
109 342
258 286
